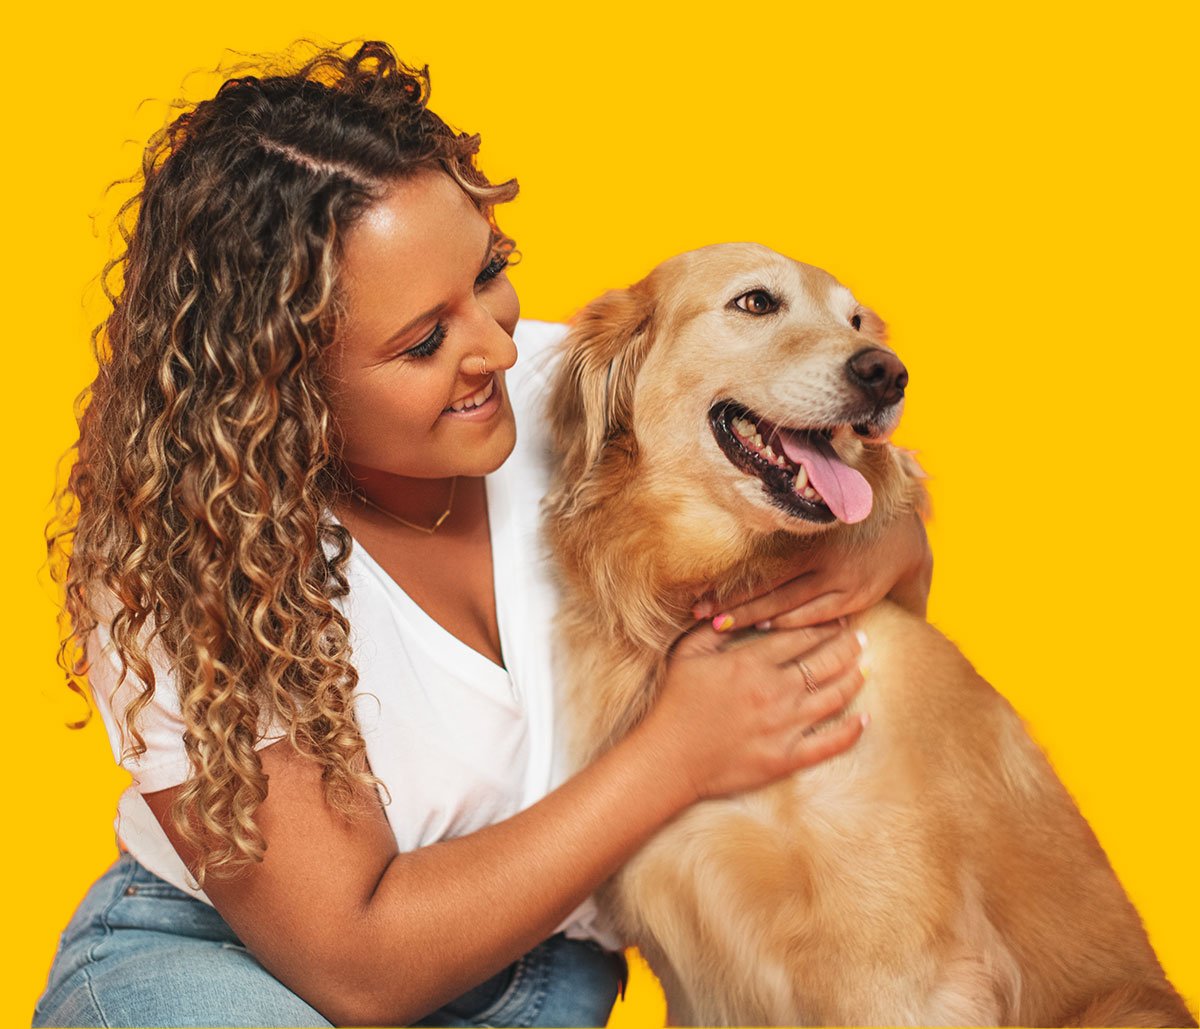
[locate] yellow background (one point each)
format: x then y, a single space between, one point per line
1007 185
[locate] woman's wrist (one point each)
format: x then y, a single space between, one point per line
656 753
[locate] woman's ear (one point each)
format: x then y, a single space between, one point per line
591 399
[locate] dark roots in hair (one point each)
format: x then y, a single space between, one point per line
195 515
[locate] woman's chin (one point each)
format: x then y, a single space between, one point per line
489 454
503 449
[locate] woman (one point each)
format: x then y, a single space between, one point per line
305 533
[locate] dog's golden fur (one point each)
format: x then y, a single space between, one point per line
937 872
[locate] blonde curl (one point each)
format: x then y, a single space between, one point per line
195 513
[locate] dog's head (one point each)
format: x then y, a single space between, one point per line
755 384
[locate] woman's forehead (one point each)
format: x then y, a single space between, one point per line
415 247
415 219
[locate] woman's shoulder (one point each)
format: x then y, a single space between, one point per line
528 385
533 335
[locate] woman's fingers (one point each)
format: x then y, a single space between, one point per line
823 682
849 579
785 597
752 708
823 663
812 747
827 607
830 699
829 644
699 639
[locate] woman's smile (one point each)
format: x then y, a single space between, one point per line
478 406
428 307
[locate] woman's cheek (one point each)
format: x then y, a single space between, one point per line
381 423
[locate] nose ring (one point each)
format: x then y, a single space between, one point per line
483 368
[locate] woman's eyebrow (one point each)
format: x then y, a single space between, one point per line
438 308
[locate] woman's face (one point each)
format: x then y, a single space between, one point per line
427 302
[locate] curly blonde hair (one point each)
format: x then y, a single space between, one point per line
197 502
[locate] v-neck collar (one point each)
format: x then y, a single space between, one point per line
444 647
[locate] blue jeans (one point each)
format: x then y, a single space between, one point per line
139 952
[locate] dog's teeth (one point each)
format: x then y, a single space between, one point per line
801 480
770 453
809 493
756 439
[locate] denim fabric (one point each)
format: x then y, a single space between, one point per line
560 982
139 952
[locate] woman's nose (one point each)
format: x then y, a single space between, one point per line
493 350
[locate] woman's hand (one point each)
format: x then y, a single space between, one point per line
899 566
731 715
735 714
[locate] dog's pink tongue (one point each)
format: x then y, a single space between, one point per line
845 491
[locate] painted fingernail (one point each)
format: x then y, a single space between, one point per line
722 622
764 625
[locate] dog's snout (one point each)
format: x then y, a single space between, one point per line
878 373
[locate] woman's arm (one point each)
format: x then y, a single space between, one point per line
898 566
368 935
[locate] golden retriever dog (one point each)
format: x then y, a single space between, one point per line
937 872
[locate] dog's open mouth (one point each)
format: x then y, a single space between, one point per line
800 469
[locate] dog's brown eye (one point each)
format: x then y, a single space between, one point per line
757 301
856 321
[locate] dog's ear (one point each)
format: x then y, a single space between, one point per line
591 399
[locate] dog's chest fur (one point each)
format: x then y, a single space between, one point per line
937 873
831 858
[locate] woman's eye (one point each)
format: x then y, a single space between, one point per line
498 264
856 321
429 345
757 301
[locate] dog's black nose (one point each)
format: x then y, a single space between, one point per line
878 373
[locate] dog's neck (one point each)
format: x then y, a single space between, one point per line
632 564
636 560
725 561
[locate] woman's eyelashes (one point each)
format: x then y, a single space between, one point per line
431 343
497 265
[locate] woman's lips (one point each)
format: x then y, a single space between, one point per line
481 411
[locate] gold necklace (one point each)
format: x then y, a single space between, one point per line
412 525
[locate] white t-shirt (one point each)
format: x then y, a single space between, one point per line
459 742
